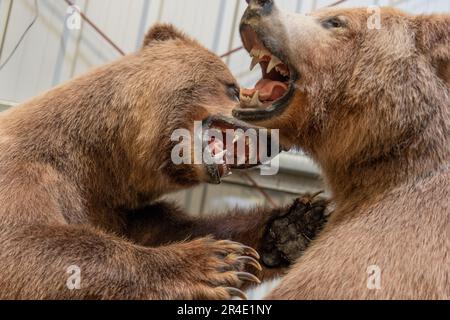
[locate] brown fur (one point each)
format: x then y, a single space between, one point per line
372 108
81 167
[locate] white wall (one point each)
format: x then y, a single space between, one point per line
51 54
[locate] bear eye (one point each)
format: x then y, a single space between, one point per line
233 92
332 23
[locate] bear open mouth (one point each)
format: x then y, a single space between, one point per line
225 150
274 90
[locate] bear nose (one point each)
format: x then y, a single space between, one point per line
259 7
260 3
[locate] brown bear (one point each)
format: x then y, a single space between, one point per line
83 165
365 92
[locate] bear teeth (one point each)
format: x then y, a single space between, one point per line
274 61
252 101
260 53
255 99
254 53
255 61
282 72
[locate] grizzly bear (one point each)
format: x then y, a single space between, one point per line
82 168
366 93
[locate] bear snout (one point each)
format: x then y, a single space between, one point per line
258 8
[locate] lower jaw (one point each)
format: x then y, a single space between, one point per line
273 110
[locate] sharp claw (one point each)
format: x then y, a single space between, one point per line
318 193
236 293
309 198
248 277
251 261
246 249
252 252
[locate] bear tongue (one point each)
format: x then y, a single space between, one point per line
269 90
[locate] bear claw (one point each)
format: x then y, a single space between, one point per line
250 261
245 276
233 292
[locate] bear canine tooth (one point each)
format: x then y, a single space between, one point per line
255 53
255 61
274 61
264 53
255 99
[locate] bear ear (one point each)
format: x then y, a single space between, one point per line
433 39
163 32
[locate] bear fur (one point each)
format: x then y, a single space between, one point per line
372 108
83 165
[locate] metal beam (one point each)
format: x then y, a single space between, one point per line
5 105
5 13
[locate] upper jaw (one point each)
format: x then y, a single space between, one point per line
275 69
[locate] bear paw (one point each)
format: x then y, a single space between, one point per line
216 270
289 234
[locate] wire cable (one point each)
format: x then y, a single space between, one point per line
36 16
96 28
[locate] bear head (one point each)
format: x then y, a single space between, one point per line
170 86
349 86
